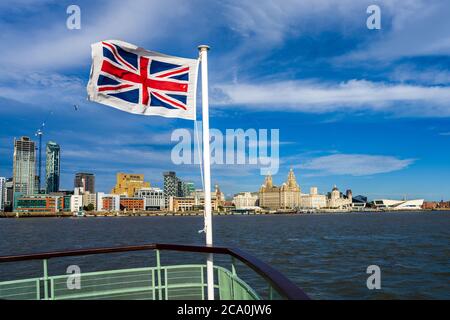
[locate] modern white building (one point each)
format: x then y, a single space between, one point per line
2 193
245 200
388 204
99 201
153 198
107 202
76 203
313 200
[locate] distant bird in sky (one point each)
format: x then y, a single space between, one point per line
75 106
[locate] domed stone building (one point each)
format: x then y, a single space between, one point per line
287 196
337 201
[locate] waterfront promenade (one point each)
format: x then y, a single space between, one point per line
190 213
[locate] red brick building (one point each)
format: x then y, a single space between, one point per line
127 203
432 205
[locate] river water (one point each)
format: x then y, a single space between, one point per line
327 255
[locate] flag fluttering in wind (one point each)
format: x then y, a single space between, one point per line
139 81
135 80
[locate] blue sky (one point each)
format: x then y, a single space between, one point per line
363 109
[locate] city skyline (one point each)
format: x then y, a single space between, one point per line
363 109
77 178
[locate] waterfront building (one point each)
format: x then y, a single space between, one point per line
76 202
269 195
39 203
52 167
36 186
24 167
337 201
66 202
127 184
290 192
111 202
444 204
9 195
432 205
216 194
108 202
360 198
79 191
228 206
220 197
191 203
99 201
85 180
131 203
185 189
198 193
349 194
171 186
245 200
313 200
89 198
287 196
153 198
197 201
189 188
175 187
2 193
389 204
359 203
181 188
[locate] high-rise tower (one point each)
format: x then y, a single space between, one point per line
24 166
85 180
52 166
170 186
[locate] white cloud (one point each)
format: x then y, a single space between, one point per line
355 164
256 28
417 28
43 88
429 76
57 47
309 96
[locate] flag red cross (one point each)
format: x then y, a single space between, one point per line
157 84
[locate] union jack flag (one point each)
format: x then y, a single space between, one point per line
135 80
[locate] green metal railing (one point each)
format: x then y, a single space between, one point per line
172 282
149 282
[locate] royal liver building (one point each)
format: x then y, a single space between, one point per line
288 196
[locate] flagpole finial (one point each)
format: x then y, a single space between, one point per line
203 47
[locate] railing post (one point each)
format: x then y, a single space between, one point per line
153 284
233 268
203 283
45 267
166 291
158 268
38 290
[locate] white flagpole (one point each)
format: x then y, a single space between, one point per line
206 169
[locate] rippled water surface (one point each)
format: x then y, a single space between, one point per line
326 255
